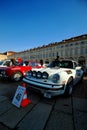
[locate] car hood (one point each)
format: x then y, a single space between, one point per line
4 68
51 71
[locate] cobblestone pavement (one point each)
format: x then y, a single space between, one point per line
58 113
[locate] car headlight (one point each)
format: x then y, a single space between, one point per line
39 74
34 74
3 72
55 78
45 75
29 73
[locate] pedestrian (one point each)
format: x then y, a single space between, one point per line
13 62
20 61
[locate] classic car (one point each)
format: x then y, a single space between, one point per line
14 72
57 78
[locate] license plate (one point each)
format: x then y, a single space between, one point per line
47 95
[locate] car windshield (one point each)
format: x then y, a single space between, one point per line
31 64
5 63
61 64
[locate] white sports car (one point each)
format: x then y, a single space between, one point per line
57 78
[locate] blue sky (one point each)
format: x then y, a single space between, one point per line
26 24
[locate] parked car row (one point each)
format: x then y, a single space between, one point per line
59 77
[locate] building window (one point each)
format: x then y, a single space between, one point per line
76 43
82 42
61 46
66 45
76 51
82 51
86 50
50 54
46 55
58 46
71 44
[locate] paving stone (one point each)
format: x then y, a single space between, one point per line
63 105
33 97
80 120
3 90
80 113
3 127
2 98
59 121
80 104
66 114
12 117
5 106
37 118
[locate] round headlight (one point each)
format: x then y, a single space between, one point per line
45 75
29 73
34 74
39 74
3 72
55 78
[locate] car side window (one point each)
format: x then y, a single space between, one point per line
67 64
70 65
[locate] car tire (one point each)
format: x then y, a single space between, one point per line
17 76
69 88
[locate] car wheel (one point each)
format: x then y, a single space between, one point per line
17 76
69 87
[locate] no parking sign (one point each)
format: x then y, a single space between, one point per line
18 96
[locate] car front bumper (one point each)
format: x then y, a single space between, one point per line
2 76
48 90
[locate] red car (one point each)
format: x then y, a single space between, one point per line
15 73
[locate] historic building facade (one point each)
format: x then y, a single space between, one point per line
73 48
3 56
